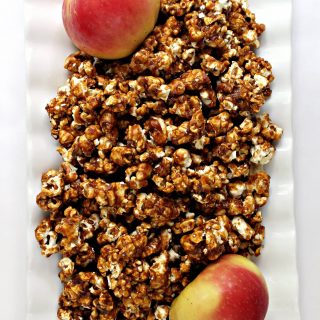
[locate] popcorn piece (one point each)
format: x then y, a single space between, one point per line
159 271
262 153
242 228
162 312
182 158
47 238
67 269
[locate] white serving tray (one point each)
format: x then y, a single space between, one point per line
47 46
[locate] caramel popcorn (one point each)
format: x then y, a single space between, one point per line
162 162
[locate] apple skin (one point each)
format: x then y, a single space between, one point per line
109 29
233 288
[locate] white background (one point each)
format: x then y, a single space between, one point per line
306 96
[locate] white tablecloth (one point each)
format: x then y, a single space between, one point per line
13 192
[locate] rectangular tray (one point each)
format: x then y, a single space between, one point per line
47 46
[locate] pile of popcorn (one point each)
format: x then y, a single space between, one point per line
162 162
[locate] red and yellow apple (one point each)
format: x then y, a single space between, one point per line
109 29
233 288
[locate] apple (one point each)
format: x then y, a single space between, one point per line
109 29
233 288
